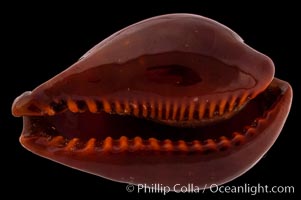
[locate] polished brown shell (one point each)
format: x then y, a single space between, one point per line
180 97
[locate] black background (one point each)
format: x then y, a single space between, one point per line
42 40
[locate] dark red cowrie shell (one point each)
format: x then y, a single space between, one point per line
173 99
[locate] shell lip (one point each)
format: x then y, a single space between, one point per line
214 101
139 142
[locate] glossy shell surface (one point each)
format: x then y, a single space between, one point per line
173 99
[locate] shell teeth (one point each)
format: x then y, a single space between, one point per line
232 103
91 105
197 146
160 108
152 108
175 110
127 109
135 108
90 145
144 109
72 106
182 111
155 108
50 111
124 144
224 143
202 109
182 146
107 144
210 146
211 109
71 145
222 106
191 110
238 139
243 99
118 108
58 141
137 144
106 106
251 131
154 144
167 145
